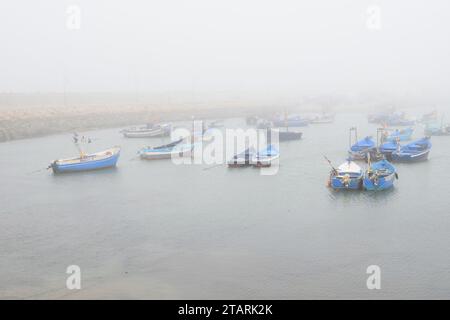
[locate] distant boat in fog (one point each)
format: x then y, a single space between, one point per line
265 157
323 118
242 159
148 131
167 151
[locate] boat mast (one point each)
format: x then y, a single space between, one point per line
285 120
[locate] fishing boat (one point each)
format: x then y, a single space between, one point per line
85 162
398 135
434 129
379 176
429 117
167 151
359 150
291 121
347 176
323 118
265 157
242 159
399 119
160 130
412 152
284 135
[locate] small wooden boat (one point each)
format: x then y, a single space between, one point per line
360 149
347 176
167 151
379 176
399 119
85 162
413 152
265 157
242 159
148 132
323 118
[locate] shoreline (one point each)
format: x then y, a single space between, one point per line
38 121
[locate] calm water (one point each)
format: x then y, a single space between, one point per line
150 229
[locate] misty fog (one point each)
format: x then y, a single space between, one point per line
291 48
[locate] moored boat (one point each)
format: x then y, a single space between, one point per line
323 118
360 149
379 176
148 131
290 121
347 176
242 159
283 135
86 162
413 152
265 157
434 129
166 151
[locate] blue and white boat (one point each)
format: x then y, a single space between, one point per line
399 135
361 148
85 162
412 152
265 157
167 151
148 131
347 176
379 176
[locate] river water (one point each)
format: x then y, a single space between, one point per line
155 230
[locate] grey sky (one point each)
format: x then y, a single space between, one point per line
320 46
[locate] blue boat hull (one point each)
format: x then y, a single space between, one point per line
410 157
354 184
382 183
87 166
